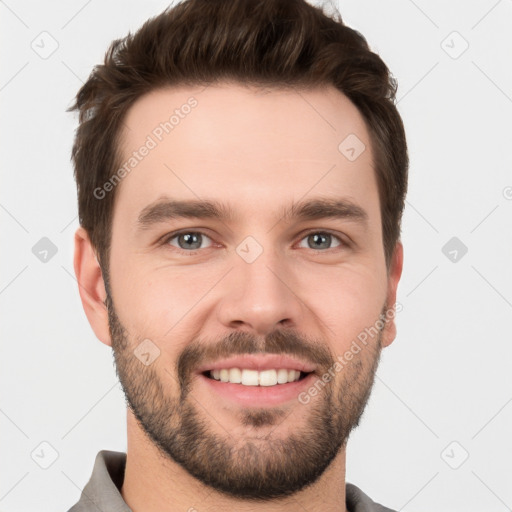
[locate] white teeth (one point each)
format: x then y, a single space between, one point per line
235 376
250 377
282 376
268 378
255 378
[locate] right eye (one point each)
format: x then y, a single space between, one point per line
187 241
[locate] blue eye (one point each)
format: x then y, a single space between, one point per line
189 242
319 239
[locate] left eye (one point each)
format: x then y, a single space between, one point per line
189 241
319 239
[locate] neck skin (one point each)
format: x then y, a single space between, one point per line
153 483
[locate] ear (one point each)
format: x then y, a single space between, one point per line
91 286
394 274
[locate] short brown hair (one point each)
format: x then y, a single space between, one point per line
267 43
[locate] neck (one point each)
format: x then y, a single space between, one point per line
153 482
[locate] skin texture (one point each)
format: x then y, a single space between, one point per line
258 151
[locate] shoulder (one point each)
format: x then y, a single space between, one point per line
358 501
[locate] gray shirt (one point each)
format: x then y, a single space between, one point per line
102 492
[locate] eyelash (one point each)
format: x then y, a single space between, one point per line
167 238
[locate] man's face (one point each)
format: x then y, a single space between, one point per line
256 284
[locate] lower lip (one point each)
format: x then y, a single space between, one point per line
258 396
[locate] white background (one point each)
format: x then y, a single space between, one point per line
445 378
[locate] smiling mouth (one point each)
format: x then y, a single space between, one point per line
249 377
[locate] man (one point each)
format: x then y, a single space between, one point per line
241 172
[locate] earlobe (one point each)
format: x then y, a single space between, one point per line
91 286
394 274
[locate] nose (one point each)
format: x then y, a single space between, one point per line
260 296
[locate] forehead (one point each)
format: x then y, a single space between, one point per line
259 148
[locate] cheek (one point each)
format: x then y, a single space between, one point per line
346 300
161 303
164 303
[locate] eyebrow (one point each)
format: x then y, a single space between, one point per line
166 209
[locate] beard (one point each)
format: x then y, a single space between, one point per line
257 468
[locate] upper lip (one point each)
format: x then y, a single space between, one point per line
259 362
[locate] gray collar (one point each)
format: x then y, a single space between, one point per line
102 492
